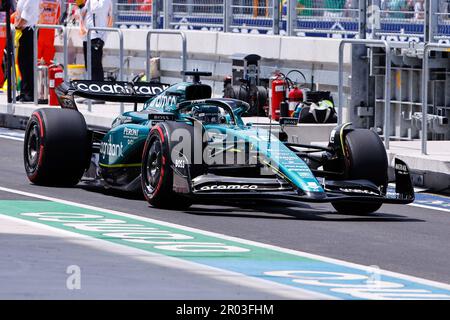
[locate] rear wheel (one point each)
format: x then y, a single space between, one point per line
365 158
56 147
157 173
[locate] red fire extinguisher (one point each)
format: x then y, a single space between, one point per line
295 96
55 79
278 95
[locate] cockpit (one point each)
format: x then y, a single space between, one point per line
206 113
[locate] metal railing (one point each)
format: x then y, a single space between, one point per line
429 47
330 17
387 81
400 19
196 13
35 53
440 21
183 49
135 12
259 15
303 17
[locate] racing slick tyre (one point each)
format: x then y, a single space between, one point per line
56 147
365 158
157 172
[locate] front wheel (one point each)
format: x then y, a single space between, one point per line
365 158
157 173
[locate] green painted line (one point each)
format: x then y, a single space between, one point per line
132 232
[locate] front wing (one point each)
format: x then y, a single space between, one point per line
219 187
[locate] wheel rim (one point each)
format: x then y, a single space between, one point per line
153 167
33 147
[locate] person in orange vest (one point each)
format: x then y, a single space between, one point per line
50 14
2 46
146 5
3 41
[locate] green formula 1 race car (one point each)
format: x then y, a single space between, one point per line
184 146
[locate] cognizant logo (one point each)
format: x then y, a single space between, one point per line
119 88
111 149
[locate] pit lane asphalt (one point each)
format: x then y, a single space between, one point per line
404 239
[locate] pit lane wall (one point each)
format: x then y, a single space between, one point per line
211 51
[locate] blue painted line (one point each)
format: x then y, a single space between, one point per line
331 279
431 200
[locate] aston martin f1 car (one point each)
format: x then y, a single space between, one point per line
184 146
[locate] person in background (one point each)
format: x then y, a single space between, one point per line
410 8
95 13
384 8
334 8
395 8
27 16
50 13
146 6
304 7
3 40
419 9
351 8
2 46
444 8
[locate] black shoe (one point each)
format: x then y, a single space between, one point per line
25 98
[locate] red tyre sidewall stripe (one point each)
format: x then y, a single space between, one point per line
161 176
161 133
41 147
38 116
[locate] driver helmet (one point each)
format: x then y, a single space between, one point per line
207 114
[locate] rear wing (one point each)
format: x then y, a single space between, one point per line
116 91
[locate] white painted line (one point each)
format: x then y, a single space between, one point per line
11 138
273 288
12 132
366 269
429 207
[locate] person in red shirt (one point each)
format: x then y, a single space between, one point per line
2 45
3 39
145 6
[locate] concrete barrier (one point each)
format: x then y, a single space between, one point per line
211 51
